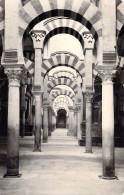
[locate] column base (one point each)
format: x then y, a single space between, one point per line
37 150
45 141
12 175
88 152
108 178
49 133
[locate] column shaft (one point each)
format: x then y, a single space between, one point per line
45 124
13 124
37 144
79 134
108 130
88 125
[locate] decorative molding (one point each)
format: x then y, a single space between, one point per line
106 75
109 57
89 96
10 56
88 40
37 88
38 38
14 76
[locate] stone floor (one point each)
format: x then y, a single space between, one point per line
63 168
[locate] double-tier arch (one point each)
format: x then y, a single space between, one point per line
83 11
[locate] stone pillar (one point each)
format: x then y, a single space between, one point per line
53 121
88 122
67 122
79 132
37 130
109 31
23 109
38 38
108 125
45 123
50 122
71 127
100 114
13 122
88 50
75 121
89 46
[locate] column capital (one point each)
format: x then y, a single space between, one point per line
14 76
38 38
106 75
78 107
88 41
89 96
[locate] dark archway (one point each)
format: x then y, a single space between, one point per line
61 119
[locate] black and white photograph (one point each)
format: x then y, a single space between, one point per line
61 97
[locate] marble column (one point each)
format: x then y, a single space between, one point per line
53 121
108 125
89 96
71 127
23 109
37 131
75 121
45 123
79 131
13 122
84 114
49 122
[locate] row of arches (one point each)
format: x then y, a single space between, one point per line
75 90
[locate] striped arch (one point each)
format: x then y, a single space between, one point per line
82 11
62 81
64 108
29 65
63 59
65 30
63 92
120 17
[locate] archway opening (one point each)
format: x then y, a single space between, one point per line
61 119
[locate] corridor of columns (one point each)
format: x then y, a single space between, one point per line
62 95
61 168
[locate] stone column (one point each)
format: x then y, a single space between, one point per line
37 130
88 96
88 50
84 114
45 123
38 38
100 114
23 109
89 46
53 121
75 121
79 132
50 122
67 122
71 127
13 122
108 125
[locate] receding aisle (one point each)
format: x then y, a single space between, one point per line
62 168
